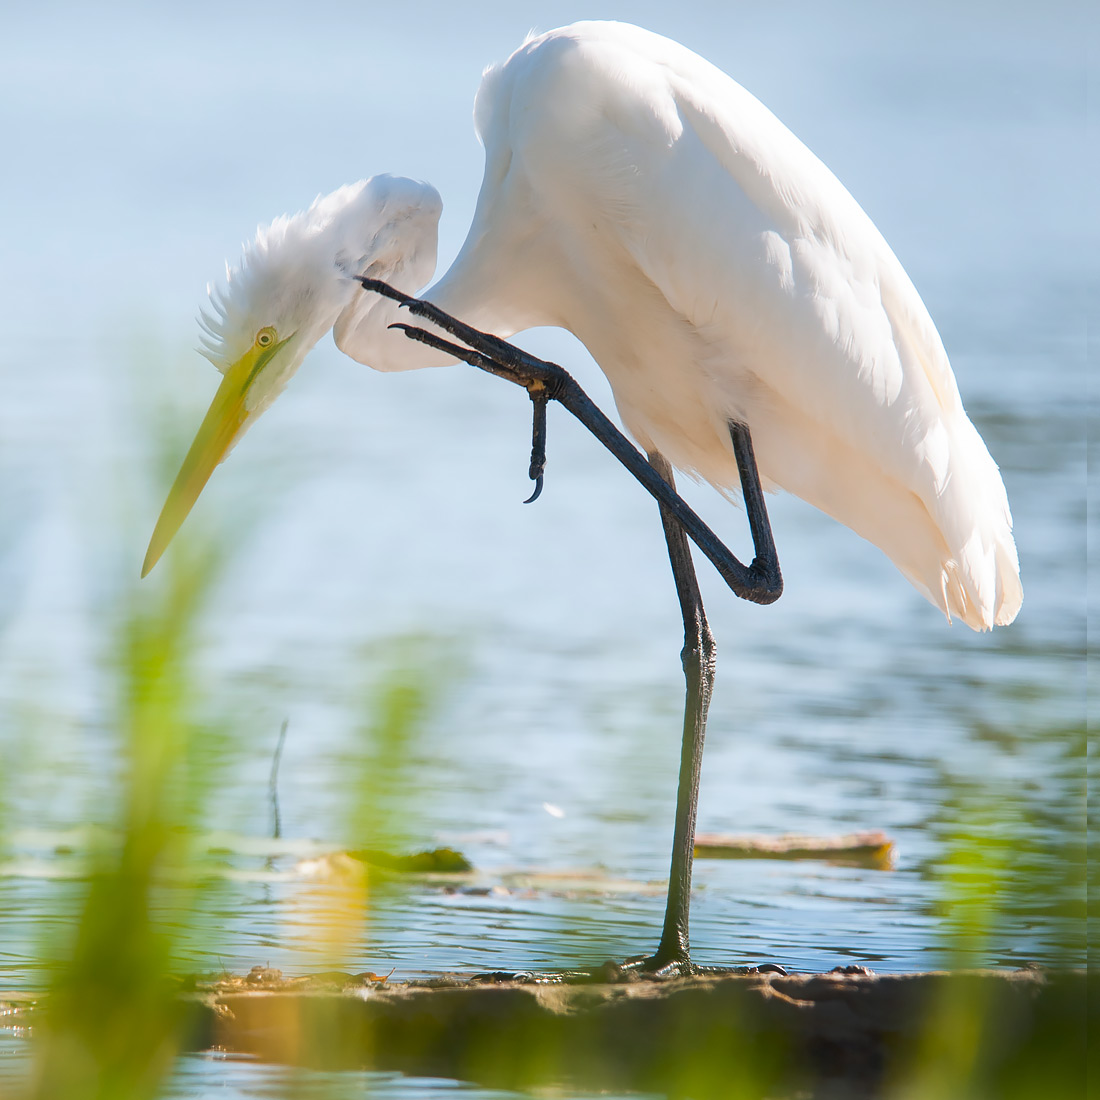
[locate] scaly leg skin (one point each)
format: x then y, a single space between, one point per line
698 658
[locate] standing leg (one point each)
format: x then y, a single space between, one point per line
698 657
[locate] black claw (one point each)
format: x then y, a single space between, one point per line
538 489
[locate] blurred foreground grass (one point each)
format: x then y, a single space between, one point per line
114 1019
118 946
114 1022
1002 868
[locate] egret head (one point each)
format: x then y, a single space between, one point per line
290 287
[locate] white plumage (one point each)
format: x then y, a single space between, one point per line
713 266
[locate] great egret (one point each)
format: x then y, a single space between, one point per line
733 292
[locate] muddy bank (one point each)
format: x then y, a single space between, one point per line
1000 1034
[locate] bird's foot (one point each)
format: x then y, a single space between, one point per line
655 968
480 349
643 968
650 968
542 380
536 386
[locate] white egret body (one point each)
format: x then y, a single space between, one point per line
713 266
716 270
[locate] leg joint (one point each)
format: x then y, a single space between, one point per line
699 652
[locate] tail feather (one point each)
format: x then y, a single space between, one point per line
981 582
954 545
1010 592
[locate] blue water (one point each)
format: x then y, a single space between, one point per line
142 145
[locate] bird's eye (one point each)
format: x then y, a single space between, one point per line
265 337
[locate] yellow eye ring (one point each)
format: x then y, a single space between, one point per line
265 337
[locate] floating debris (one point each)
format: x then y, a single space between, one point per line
874 850
445 861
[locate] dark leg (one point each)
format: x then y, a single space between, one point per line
755 509
698 657
761 581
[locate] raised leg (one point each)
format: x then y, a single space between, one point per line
698 658
760 581
766 559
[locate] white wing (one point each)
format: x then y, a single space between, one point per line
756 287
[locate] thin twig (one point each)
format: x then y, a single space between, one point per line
273 782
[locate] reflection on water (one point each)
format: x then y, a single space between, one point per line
369 507
229 1077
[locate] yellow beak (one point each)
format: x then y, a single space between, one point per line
225 419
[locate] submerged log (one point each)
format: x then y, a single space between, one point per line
850 1035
